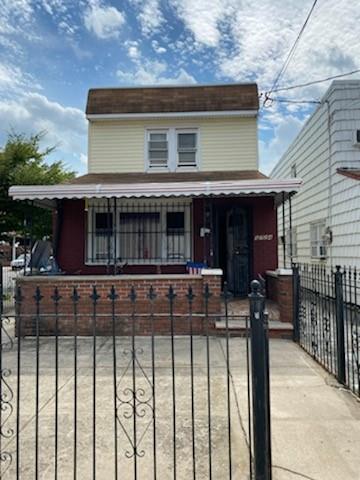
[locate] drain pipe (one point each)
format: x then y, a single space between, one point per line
329 212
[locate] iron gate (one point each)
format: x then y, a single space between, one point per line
134 406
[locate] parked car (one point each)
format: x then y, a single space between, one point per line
19 262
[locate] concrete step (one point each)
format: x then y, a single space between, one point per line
237 328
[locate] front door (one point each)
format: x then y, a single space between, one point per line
237 236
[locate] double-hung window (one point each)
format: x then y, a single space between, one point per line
318 247
172 149
158 149
186 149
102 239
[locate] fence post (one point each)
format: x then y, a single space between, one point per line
260 384
340 330
296 303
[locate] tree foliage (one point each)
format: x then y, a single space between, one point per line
22 162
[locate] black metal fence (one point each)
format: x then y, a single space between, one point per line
327 319
130 406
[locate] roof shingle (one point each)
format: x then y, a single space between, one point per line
197 98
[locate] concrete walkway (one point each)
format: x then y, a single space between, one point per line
315 424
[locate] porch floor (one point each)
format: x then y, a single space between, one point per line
238 311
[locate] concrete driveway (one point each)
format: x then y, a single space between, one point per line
315 424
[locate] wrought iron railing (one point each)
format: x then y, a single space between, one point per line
125 400
327 319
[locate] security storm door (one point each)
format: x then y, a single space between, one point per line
237 251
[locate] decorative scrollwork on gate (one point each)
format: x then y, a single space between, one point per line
327 335
135 403
313 323
6 397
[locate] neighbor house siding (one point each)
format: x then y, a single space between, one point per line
225 144
325 144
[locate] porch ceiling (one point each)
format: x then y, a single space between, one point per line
278 188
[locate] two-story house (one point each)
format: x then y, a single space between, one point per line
326 156
172 186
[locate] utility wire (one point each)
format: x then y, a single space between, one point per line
287 100
300 85
290 54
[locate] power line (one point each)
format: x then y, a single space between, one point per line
314 82
287 100
291 53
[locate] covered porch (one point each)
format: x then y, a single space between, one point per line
164 227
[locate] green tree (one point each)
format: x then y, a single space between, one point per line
22 162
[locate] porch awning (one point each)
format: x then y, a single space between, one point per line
272 187
260 187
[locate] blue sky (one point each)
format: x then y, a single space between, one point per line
53 51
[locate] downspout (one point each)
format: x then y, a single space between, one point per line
329 213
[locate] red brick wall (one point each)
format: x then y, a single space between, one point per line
123 306
71 249
280 290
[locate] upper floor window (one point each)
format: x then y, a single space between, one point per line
158 150
172 149
318 246
186 148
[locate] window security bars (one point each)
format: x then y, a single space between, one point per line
154 407
327 319
138 233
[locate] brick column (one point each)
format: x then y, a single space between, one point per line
280 290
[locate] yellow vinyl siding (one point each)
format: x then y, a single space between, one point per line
225 144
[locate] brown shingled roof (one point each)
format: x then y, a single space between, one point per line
143 177
172 99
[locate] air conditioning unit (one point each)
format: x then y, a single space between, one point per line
357 138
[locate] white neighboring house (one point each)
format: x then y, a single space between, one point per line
326 156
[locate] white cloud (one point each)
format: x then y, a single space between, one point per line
157 48
153 73
285 129
13 79
83 159
149 15
32 112
202 18
102 20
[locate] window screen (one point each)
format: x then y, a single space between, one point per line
158 149
186 149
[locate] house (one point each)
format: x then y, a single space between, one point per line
326 156
173 192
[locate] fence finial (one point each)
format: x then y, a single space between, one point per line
255 287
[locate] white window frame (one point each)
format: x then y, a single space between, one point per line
187 167
147 140
184 205
318 243
172 163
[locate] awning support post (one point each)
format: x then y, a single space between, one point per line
115 234
108 237
283 225
291 232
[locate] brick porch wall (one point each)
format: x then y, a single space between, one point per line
280 289
26 320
